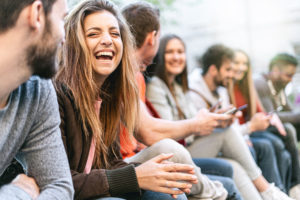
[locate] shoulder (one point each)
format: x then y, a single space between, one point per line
261 84
35 91
156 83
36 85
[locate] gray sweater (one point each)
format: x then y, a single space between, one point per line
270 104
30 133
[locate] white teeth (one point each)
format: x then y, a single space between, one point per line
107 53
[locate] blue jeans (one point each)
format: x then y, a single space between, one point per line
219 170
150 195
264 155
283 157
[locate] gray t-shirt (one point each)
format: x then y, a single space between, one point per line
29 131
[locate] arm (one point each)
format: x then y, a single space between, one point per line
204 122
43 155
288 114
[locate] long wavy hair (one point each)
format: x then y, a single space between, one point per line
247 88
119 93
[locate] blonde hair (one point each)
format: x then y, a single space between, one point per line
119 93
247 88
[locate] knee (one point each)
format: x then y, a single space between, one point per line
286 157
171 146
266 147
277 143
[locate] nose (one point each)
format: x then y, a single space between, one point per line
175 56
106 40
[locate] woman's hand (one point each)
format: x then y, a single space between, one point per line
160 176
259 122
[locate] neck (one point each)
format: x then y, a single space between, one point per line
13 63
210 82
277 87
171 78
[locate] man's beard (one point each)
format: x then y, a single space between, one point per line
42 56
279 84
218 82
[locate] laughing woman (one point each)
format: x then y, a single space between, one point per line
97 95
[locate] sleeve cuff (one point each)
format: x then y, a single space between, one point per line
122 181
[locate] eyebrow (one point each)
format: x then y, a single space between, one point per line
99 29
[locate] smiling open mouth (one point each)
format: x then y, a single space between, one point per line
104 55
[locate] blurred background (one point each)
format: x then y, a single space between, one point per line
262 28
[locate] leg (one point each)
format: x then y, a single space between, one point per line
214 166
150 195
283 157
229 185
204 188
243 182
235 147
267 162
290 142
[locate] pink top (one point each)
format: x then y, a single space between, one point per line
90 159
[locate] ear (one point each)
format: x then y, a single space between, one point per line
151 38
213 70
36 17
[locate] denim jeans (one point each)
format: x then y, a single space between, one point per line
229 184
219 170
264 155
283 157
214 166
290 142
150 195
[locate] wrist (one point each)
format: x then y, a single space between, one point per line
250 127
191 126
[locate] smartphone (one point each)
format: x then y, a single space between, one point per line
231 111
242 107
234 109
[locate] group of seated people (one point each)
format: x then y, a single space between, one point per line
95 104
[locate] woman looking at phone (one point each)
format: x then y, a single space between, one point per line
243 91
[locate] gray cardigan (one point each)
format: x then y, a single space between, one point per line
160 96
